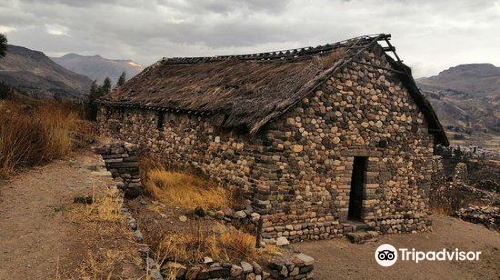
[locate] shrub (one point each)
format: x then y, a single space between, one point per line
458 136
5 90
32 135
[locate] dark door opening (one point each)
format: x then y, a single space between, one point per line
357 184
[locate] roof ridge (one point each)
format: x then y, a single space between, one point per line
274 55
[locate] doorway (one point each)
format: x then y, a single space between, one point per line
356 194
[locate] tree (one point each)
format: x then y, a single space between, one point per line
3 45
94 91
106 87
122 79
94 94
5 90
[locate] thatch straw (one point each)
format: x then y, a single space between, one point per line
242 91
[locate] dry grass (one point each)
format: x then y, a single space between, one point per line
189 245
101 265
106 264
223 244
32 135
105 209
104 220
186 190
273 250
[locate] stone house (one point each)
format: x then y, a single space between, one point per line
322 140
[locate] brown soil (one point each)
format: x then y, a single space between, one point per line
38 240
340 259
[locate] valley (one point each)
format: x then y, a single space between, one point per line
467 101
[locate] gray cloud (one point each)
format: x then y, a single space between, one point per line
430 34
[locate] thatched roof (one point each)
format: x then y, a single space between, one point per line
243 91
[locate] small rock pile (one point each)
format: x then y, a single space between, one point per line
489 216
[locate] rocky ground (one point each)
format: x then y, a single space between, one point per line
470 191
340 259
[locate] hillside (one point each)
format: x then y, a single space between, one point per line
467 100
97 67
37 75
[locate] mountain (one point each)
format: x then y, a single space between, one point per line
97 67
37 75
466 98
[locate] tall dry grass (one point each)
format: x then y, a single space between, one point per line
186 190
32 135
224 244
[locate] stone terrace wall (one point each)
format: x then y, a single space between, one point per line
297 171
121 160
298 267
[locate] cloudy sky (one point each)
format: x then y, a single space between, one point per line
430 35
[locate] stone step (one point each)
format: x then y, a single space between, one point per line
356 226
362 237
362 227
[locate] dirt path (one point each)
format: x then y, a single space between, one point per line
339 259
36 239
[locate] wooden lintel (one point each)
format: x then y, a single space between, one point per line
389 49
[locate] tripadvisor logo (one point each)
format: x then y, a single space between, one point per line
387 255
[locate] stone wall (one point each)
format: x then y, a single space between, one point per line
460 176
121 160
297 267
297 170
489 216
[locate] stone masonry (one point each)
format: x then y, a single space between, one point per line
121 160
297 170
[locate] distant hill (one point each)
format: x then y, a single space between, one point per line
97 67
466 98
38 76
